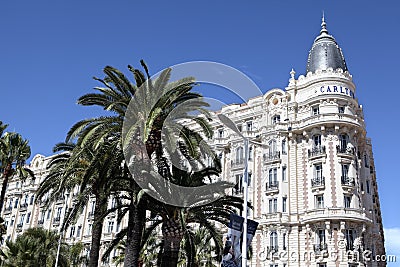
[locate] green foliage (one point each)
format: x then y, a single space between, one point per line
35 247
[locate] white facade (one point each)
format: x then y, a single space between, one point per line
313 191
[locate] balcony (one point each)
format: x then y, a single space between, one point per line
7 209
348 182
238 163
316 152
272 187
272 251
272 157
23 206
19 227
318 183
320 248
348 152
351 214
56 220
41 222
91 215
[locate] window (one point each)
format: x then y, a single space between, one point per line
344 140
249 126
22 219
273 203
273 241
28 217
238 186
350 236
110 227
341 109
316 140
284 241
276 119
345 171
89 229
322 264
320 238
48 214
315 110
239 155
26 199
284 173
368 187
366 161
347 201
250 152
272 176
72 231
220 133
284 200
59 210
272 148
318 172
319 201
12 220
249 179
284 147
78 232
16 203
32 199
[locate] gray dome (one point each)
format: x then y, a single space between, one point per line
325 53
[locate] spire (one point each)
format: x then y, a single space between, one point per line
323 24
325 52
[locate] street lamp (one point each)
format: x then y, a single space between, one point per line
231 125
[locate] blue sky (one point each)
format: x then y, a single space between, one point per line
50 50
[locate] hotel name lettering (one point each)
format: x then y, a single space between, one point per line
335 89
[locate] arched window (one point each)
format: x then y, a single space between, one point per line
239 155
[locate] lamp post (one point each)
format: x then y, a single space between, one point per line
231 125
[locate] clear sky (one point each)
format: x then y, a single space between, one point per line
50 50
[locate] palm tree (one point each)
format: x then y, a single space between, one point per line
3 229
93 171
35 247
200 248
153 102
14 151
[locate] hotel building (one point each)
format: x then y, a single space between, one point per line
313 189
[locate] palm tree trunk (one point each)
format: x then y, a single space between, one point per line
6 176
172 234
99 210
136 219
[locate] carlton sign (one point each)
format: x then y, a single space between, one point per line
335 89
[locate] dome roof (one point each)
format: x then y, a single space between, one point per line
325 53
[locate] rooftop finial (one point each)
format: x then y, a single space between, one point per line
323 24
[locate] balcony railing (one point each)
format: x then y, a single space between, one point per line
56 220
8 209
345 150
272 156
238 163
91 214
272 186
23 206
317 151
318 182
320 247
347 181
41 222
